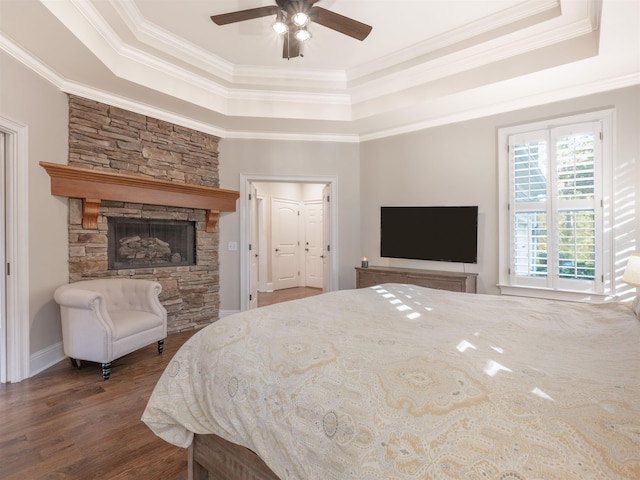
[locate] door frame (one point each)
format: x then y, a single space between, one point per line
15 350
245 226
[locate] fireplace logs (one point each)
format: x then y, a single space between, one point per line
146 251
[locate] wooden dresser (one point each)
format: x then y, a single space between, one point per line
453 281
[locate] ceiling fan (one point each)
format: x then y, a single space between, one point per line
292 18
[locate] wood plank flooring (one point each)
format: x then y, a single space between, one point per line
286 294
69 424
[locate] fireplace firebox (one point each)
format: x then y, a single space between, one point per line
149 243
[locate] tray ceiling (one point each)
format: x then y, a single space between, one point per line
425 63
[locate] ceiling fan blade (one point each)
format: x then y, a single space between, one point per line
283 4
242 15
340 23
290 47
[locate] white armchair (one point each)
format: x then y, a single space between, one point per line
105 319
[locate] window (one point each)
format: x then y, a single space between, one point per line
555 200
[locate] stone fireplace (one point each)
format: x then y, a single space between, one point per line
108 139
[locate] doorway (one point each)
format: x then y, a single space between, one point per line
3 262
14 260
253 227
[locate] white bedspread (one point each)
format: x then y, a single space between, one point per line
403 382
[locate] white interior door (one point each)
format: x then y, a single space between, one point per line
264 274
326 238
313 243
254 248
284 243
3 296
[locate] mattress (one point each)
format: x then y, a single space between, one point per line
404 382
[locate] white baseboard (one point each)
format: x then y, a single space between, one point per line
45 358
226 313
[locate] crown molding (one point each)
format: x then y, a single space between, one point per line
91 93
25 58
282 93
156 37
453 41
513 104
300 137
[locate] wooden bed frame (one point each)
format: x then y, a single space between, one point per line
213 458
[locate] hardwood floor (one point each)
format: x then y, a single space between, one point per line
69 424
286 294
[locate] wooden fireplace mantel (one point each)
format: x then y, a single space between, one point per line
93 186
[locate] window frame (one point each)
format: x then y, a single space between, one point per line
603 285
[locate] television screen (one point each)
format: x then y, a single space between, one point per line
448 234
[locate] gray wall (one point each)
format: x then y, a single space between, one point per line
27 99
290 159
457 165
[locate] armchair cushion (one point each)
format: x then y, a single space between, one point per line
131 322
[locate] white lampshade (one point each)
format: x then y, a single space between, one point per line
632 271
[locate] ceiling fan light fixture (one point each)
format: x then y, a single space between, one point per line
302 35
300 19
280 27
292 18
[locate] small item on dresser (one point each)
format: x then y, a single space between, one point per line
364 262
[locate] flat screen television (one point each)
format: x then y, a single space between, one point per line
446 234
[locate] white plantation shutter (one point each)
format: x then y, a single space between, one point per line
529 167
553 224
577 157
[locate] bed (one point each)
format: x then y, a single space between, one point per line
402 382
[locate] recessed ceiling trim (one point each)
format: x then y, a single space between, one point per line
293 97
367 108
467 60
308 79
306 137
438 115
460 37
156 37
145 69
447 111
